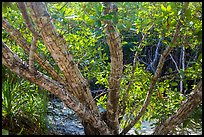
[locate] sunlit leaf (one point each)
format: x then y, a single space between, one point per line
163 8
161 89
168 8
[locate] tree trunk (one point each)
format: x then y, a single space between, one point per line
12 61
90 129
116 54
182 64
56 45
186 108
72 88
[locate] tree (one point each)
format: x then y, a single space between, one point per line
65 80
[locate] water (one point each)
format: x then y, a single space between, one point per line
147 128
64 121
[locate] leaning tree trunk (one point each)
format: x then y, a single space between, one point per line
72 88
16 65
186 108
76 83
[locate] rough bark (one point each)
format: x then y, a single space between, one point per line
116 55
22 7
21 41
186 108
72 88
72 81
16 65
56 45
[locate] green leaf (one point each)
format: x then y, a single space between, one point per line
93 17
163 8
174 84
125 42
107 17
98 9
182 73
92 61
115 19
5 132
173 23
98 23
169 8
138 90
200 57
188 13
161 89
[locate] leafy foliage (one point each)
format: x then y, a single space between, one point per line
81 26
24 106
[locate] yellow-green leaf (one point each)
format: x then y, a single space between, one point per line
161 89
169 8
163 8
92 61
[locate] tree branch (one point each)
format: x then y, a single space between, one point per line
116 54
12 61
151 89
156 75
186 108
123 106
21 41
36 35
56 45
174 63
182 62
151 65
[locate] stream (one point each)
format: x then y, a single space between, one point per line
64 121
